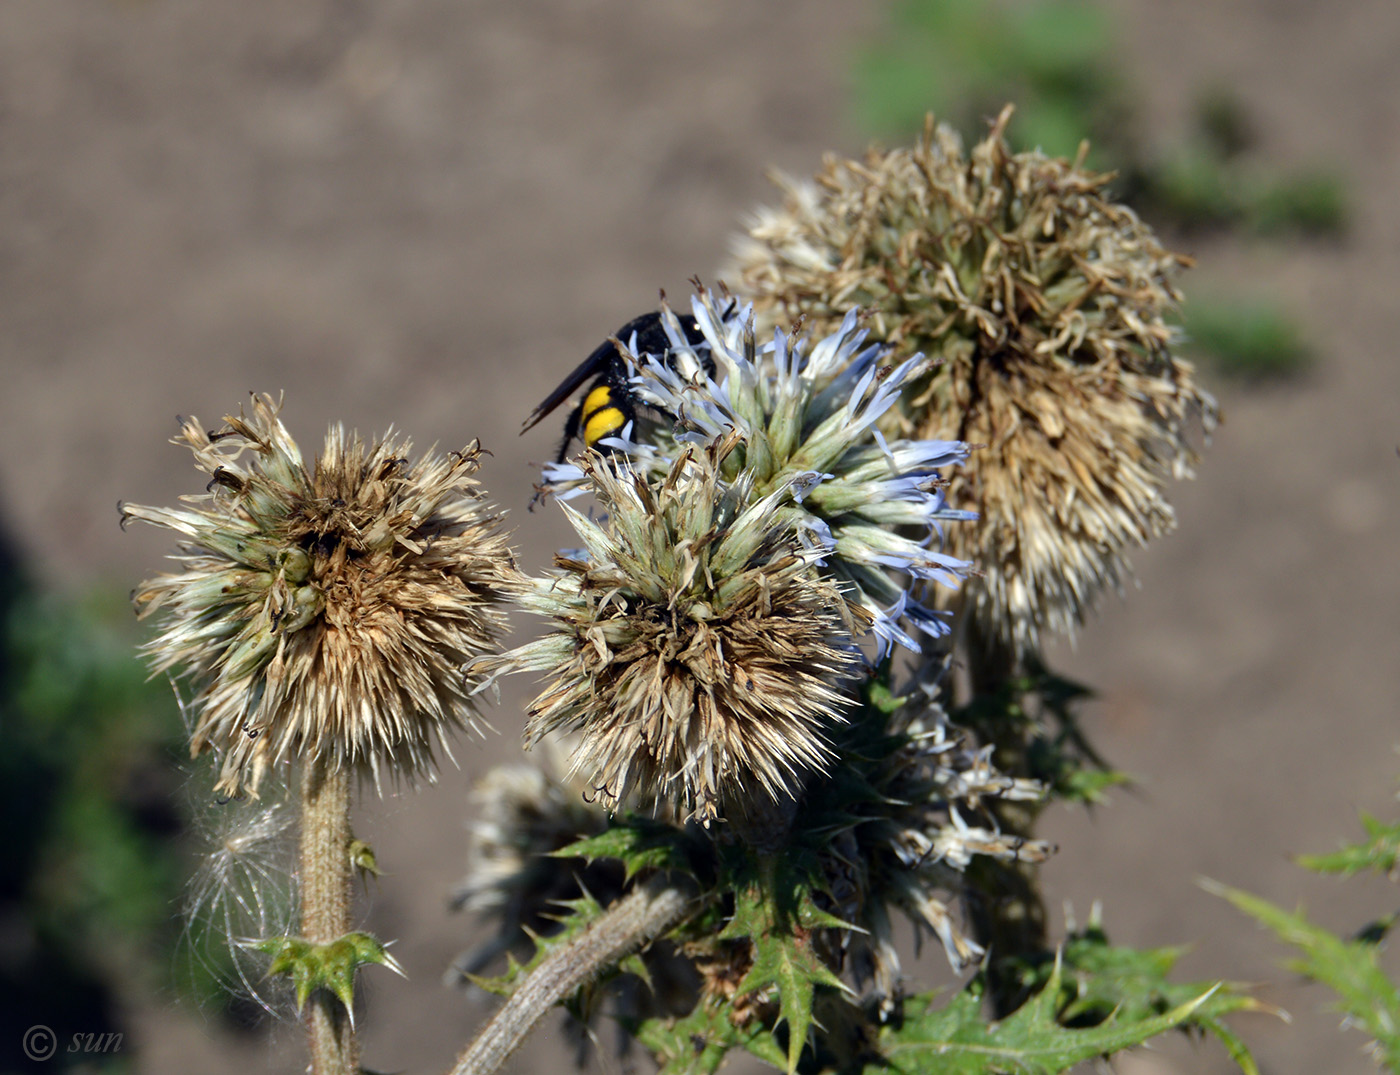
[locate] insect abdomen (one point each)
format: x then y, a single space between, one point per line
600 415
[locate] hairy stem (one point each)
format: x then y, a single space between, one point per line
629 924
325 907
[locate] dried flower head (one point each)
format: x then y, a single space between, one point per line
913 815
328 613
694 646
523 815
805 418
1041 306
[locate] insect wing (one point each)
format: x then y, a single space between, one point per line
589 368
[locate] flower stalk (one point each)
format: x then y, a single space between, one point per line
627 926
326 869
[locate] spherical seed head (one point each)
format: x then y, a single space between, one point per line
1043 304
695 650
327 613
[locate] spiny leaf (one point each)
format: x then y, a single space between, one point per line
788 966
639 844
331 966
773 917
957 1040
1378 855
697 1043
1100 981
1349 968
781 903
579 914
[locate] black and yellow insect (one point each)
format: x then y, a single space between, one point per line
610 403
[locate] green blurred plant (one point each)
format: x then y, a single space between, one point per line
1057 59
962 59
1247 341
86 793
1349 967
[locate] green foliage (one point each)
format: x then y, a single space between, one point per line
86 782
957 1039
1377 855
1057 61
768 949
1099 981
784 964
331 966
1248 341
639 843
574 917
962 59
1193 186
85 792
1351 969
1312 202
791 1010
698 1043
1196 186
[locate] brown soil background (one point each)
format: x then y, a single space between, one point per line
421 213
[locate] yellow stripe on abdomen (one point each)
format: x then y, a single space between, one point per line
603 422
599 396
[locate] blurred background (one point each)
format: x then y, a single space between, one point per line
421 214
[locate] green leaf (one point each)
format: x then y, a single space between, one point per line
788 966
1348 968
957 1039
1377 855
331 966
784 965
638 843
697 1043
1102 981
580 914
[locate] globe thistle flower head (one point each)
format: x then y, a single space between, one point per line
694 648
804 420
1044 304
327 613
